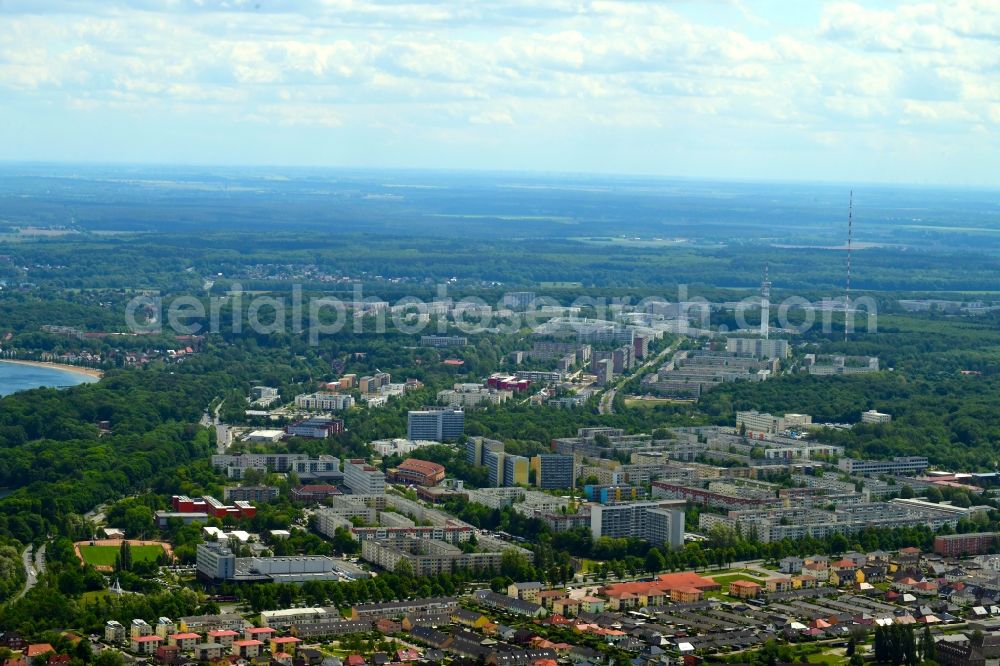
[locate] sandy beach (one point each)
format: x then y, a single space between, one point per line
80 370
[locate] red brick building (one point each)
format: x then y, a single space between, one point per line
420 472
955 545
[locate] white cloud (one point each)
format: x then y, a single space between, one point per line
442 68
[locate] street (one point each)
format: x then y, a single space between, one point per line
607 404
32 569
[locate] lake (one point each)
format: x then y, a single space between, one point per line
16 377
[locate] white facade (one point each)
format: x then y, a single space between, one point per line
324 401
363 479
872 416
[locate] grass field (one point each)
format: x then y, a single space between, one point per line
105 555
726 579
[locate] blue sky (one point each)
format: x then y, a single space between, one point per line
785 89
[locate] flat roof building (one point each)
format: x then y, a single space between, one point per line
872 416
440 425
660 522
362 478
554 471
899 465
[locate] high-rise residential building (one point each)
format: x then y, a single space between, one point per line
515 470
435 424
476 447
758 347
623 358
604 370
660 522
553 471
493 461
641 346
519 300
362 478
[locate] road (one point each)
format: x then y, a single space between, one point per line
32 569
213 422
607 404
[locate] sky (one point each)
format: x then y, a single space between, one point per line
875 91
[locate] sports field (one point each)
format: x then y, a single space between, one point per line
104 556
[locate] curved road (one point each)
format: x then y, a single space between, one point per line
32 569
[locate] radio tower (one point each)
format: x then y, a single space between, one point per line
765 305
850 234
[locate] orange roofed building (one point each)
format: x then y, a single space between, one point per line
681 587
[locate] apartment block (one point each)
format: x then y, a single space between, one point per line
758 422
250 493
759 347
659 522
959 545
515 470
476 447
902 465
362 478
554 471
443 341
438 424
323 401
316 428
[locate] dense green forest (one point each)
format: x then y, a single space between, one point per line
392 266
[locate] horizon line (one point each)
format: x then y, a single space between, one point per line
482 171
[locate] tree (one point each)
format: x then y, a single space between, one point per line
655 562
927 646
109 658
123 561
906 492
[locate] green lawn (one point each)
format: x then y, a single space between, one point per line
105 555
726 579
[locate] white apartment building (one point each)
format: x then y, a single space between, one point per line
872 416
362 478
758 347
660 522
322 401
762 422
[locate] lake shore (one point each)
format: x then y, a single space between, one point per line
78 369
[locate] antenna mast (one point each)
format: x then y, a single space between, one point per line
765 305
850 233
